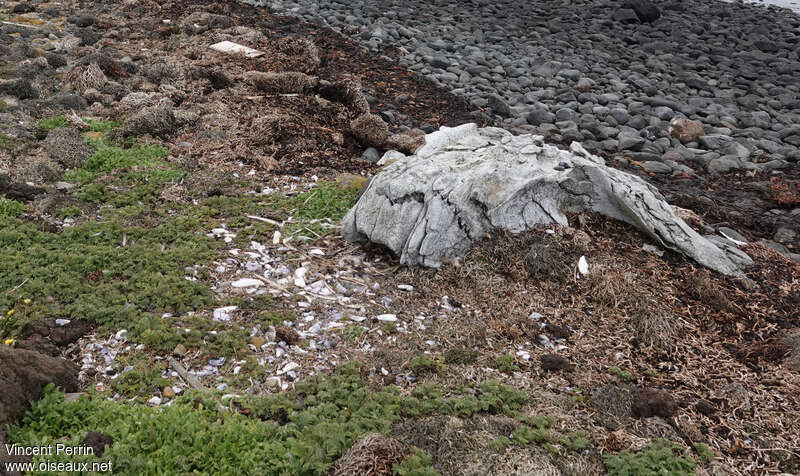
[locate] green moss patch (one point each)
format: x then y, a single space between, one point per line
661 457
426 364
311 209
10 208
50 123
299 432
130 176
506 363
416 464
9 143
140 379
103 271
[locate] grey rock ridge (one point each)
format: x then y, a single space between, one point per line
466 181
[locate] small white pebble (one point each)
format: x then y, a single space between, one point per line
246 283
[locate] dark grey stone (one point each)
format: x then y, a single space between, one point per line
371 155
722 165
629 140
499 106
540 116
715 142
656 167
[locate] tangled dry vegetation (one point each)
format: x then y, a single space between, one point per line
655 347
507 361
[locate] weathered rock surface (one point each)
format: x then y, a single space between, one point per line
47 336
686 130
644 9
465 182
23 375
17 190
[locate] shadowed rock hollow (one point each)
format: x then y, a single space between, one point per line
465 182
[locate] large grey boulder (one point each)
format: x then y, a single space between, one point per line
465 182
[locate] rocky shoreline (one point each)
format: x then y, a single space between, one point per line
585 71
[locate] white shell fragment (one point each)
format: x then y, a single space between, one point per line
583 266
299 277
230 47
223 314
246 283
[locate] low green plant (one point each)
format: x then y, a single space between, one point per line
575 441
95 125
10 208
354 332
92 192
8 143
541 421
460 356
499 398
532 430
418 463
109 157
9 325
327 201
551 448
50 123
105 272
275 318
526 434
493 397
71 211
661 457
138 174
141 380
622 374
425 364
505 363
704 453
302 431
500 443
103 126
226 342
